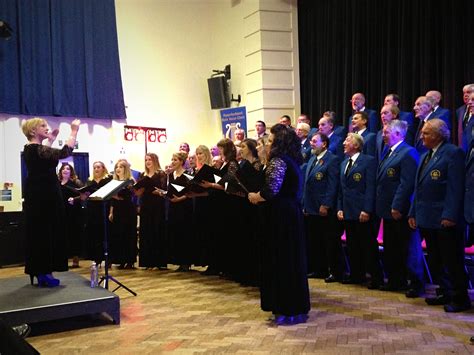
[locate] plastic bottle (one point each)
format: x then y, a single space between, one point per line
94 275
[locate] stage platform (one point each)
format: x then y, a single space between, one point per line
21 302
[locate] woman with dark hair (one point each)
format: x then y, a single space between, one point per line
284 285
252 177
150 188
74 217
223 207
43 206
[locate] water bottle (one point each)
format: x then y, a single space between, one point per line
94 275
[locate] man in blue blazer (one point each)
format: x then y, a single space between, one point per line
326 126
465 119
358 105
356 203
388 113
394 99
436 211
359 126
319 206
469 194
395 183
438 111
423 112
302 131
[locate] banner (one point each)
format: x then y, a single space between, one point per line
233 119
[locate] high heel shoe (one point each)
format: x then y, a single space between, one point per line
46 280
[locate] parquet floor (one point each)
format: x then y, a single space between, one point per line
190 313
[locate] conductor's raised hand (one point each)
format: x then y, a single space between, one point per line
75 125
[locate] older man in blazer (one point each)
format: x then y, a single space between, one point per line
437 211
395 183
319 206
356 203
359 126
358 105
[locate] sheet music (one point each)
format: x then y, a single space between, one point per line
107 189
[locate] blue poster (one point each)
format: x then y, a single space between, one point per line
233 119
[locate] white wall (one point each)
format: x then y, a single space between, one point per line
168 49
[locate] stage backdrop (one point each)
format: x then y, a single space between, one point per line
378 47
62 59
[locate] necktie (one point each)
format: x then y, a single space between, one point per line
315 161
420 127
349 166
466 118
426 160
385 157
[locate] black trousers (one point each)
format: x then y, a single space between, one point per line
396 235
445 249
363 251
324 247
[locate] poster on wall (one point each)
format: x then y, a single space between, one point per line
232 120
144 136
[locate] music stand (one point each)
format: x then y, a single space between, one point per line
103 195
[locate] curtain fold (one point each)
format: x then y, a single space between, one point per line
379 47
62 59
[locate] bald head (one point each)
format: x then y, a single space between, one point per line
435 96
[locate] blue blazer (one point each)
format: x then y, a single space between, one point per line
341 131
439 189
357 190
396 181
411 131
444 114
369 143
335 146
469 191
374 122
465 133
321 183
380 147
306 150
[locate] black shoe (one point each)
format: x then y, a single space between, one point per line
23 330
330 279
453 307
437 301
373 285
351 281
472 340
414 293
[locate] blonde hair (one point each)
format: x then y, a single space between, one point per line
156 162
182 156
126 165
207 154
28 127
106 172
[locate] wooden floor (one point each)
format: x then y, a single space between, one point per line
190 313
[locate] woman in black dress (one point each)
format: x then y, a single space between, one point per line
44 209
284 286
74 217
123 221
180 210
201 211
95 219
150 187
224 256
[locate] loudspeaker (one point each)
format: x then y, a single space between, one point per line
218 92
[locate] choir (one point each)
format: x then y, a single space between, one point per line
262 217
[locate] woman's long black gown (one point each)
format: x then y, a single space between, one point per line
152 242
46 247
74 226
284 285
95 223
123 229
180 233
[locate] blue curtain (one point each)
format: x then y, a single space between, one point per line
62 59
